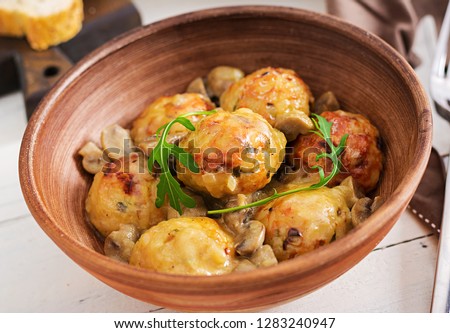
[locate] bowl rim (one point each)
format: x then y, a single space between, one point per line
292 269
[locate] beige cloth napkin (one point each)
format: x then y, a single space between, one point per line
395 21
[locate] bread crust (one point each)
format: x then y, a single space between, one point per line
43 31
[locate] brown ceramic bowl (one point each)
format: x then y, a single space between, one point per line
115 83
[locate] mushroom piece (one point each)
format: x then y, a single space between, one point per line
326 102
197 86
356 192
377 202
363 208
116 141
264 257
221 77
235 220
199 210
93 160
289 179
120 243
244 265
293 123
252 238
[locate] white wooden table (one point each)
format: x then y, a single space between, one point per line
35 276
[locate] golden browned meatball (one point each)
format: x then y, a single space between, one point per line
187 246
362 158
301 222
278 94
237 152
124 193
165 109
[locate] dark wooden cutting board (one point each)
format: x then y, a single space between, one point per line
35 72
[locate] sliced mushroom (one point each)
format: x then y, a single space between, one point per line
120 243
116 141
293 238
264 257
197 86
221 77
235 220
244 265
377 202
363 208
231 183
93 160
198 211
293 123
326 102
288 176
356 192
263 193
252 238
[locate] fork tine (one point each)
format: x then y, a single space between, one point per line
440 92
439 80
440 59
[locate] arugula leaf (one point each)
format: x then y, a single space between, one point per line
185 158
168 185
323 130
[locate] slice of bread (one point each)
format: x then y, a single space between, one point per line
43 22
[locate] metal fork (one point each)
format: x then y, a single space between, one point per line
440 93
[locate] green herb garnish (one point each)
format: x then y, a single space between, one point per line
168 185
323 129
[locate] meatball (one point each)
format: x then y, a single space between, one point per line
303 221
188 246
362 158
277 94
237 152
165 109
123 193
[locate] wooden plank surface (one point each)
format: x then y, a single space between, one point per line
37 277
